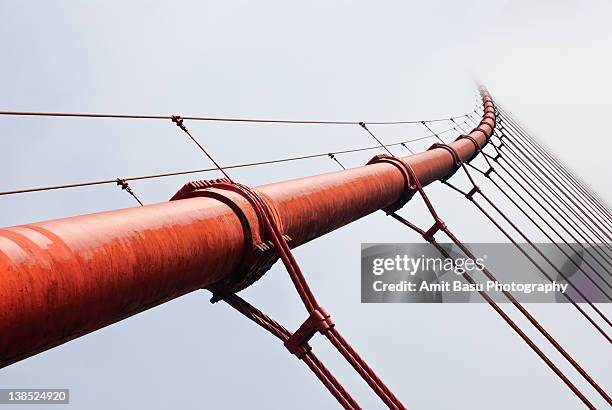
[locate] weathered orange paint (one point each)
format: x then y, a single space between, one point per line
64 278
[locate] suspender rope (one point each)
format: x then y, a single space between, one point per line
489 175
536 164
553 187
413 185
546 209
318 320
546 160
469 195
561 170
476 190
604 258
586 261
307 356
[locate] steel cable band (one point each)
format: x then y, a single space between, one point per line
454 154
408 193
259 254
269 231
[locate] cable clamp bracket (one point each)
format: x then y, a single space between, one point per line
123 184
179 122
472 192
319 321
438 225
126 186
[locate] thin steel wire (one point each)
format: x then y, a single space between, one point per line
213 119
225 167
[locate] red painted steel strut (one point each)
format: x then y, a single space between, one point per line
64 278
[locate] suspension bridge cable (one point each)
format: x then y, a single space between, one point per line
214 119
338 341
225 167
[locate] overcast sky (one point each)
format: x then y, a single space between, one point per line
548 63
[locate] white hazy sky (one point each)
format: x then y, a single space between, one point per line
547 61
